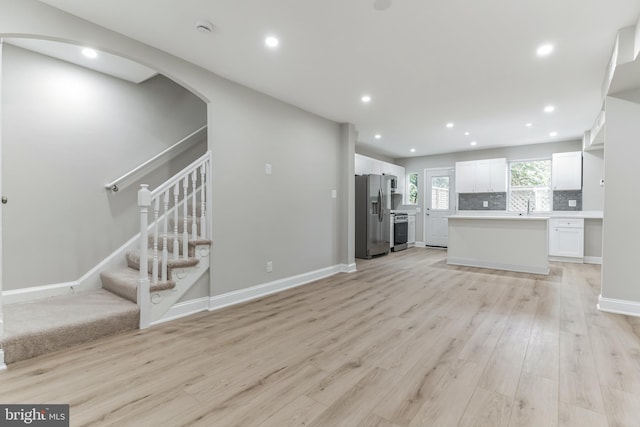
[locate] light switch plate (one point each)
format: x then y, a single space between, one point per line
334 194
572 203
485 204
267 168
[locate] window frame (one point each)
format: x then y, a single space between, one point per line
408 189
536 159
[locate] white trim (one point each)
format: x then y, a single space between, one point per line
236 297
618 306
37 292
348 268
593 260
498 266
3 367
566 259
183 309
419 245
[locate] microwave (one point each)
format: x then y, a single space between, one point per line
394 184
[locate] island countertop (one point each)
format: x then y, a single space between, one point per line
503 242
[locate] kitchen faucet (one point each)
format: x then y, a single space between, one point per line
528 206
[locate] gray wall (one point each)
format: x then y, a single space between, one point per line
621 234
66 131
522 152
288 217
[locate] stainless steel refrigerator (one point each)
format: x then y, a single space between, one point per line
373 212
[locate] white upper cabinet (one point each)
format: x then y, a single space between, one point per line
366 165
465 177
566 171
481 176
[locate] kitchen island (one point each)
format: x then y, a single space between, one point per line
502 242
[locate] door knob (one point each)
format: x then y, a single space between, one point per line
4 200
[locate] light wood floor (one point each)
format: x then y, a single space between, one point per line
405 341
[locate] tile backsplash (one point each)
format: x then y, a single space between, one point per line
561 200
475 201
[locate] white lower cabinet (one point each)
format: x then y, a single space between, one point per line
411 229
566 237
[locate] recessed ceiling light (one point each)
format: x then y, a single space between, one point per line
204 26
473 143
89 53
552 134
271 42
377 136
413 150
449 125
466 133
549 109
366 98
544 50
529 125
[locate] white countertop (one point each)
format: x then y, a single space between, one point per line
546 215
502 217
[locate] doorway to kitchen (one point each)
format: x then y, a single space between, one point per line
439 204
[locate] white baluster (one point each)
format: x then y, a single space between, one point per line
194 225
203 222
185 233
144 297
165 250
176 243
154 268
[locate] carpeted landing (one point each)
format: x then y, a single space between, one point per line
37 327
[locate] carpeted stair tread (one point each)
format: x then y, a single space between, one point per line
170 240
133 261
124 282
38 327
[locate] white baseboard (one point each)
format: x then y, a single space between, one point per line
499 266
37 292
183 309
236 297
593 260
348 268
419 244
566 259
618 306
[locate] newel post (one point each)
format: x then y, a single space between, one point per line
144 297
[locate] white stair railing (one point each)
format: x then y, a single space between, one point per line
194 177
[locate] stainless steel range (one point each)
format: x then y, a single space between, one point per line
400 231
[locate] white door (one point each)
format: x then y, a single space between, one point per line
439 204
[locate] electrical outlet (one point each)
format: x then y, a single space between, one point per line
269 266
572 203
267 168
485 204
334 194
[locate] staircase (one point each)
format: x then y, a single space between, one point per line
168 258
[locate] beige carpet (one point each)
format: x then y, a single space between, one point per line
37 327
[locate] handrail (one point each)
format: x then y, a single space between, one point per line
178 148
163 205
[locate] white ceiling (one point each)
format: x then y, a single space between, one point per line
424 62
105 63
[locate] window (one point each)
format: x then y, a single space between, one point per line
440 193
530 181
412 188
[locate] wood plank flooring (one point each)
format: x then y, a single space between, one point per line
405 341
